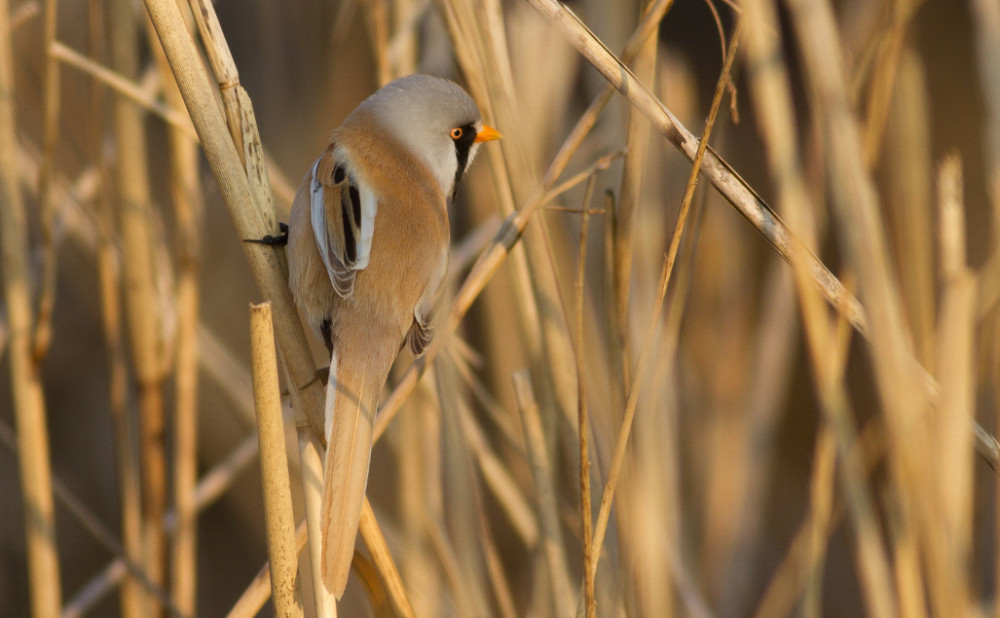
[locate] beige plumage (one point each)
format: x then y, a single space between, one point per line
367 252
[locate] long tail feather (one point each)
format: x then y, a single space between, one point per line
351 398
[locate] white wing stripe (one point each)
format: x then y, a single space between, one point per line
317 214
369 208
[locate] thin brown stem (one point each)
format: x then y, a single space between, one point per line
583 424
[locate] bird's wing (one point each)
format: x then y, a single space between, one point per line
422 329
342 210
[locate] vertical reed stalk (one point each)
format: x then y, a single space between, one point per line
186 195
25 374
109 277
771 87
955 417
142 308
627 205
50 139
274 465
548 507
311 468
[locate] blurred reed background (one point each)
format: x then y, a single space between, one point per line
779 462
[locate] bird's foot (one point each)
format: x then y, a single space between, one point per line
322 375
272 241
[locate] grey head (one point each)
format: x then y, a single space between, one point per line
435 119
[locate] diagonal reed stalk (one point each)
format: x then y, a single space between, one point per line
210 488
749 204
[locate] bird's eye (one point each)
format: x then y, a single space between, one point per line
456 133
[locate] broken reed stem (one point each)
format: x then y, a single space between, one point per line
956 345
50 138
25 375
280 523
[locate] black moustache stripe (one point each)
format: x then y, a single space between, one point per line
463 146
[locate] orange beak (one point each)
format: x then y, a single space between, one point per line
487 134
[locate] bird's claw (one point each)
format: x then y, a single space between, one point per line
322 375
272 241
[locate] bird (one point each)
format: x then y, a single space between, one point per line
367 249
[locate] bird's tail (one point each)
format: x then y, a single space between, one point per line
351 398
